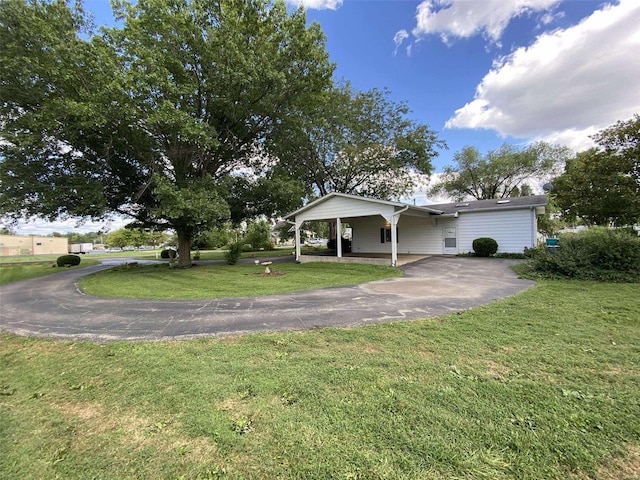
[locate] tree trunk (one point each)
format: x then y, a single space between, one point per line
184 251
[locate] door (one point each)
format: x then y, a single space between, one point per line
450 241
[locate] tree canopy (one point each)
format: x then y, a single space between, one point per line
601 186
149 118
358 143
501 173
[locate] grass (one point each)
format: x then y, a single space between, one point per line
13 273
220 281
542 385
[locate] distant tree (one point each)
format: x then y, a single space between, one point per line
259 235
357 143
601 186
502 173
145 119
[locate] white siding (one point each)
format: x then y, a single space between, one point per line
344 208
512 229
416 235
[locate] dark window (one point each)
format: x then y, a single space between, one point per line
385 235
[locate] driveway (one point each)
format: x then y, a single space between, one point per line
52 306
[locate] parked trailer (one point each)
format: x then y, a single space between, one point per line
80 247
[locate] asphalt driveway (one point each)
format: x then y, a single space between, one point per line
53 306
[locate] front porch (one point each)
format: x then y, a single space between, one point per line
364 258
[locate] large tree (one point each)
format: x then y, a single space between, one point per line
503 172
601 186
357 143
147 119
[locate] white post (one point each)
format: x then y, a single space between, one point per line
394 242
338 237
298 225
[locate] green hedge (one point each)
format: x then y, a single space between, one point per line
598 253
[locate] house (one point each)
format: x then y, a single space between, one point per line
392 228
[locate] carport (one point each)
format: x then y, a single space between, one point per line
339 209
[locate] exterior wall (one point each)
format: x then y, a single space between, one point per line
416 235
14 245
343 207
512 229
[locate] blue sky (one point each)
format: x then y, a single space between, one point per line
481 72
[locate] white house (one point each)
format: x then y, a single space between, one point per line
392 228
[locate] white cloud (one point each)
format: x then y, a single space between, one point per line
398 38
317 4
565 86
464 18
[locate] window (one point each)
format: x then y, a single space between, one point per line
385 235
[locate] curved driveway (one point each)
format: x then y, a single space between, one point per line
53 306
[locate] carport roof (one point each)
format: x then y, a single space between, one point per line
429 210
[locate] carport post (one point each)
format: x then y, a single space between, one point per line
298 250
338 237
394 242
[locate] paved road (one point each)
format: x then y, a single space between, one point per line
53 306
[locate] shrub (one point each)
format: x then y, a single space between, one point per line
168 253
247 247
68 260
598 253
233 254
259 235
485 247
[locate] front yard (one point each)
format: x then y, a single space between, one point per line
544 384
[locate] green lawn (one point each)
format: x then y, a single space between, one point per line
542 385
13 273
220 281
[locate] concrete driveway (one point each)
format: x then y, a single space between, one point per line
53 306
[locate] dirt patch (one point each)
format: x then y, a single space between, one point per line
622 468
272 274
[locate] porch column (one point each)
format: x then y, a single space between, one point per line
394 241
338 237
297 239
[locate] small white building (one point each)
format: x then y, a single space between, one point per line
392 228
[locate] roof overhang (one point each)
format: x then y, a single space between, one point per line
386 205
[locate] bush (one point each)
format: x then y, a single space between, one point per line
247 247
485 247
233 254
259 235
68 260
598 253
167 253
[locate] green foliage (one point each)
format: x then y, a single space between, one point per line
357 143
259 235
501 173
602 185
598 253
65 260
484 247
181 95
233 253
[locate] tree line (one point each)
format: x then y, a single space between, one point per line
599 186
